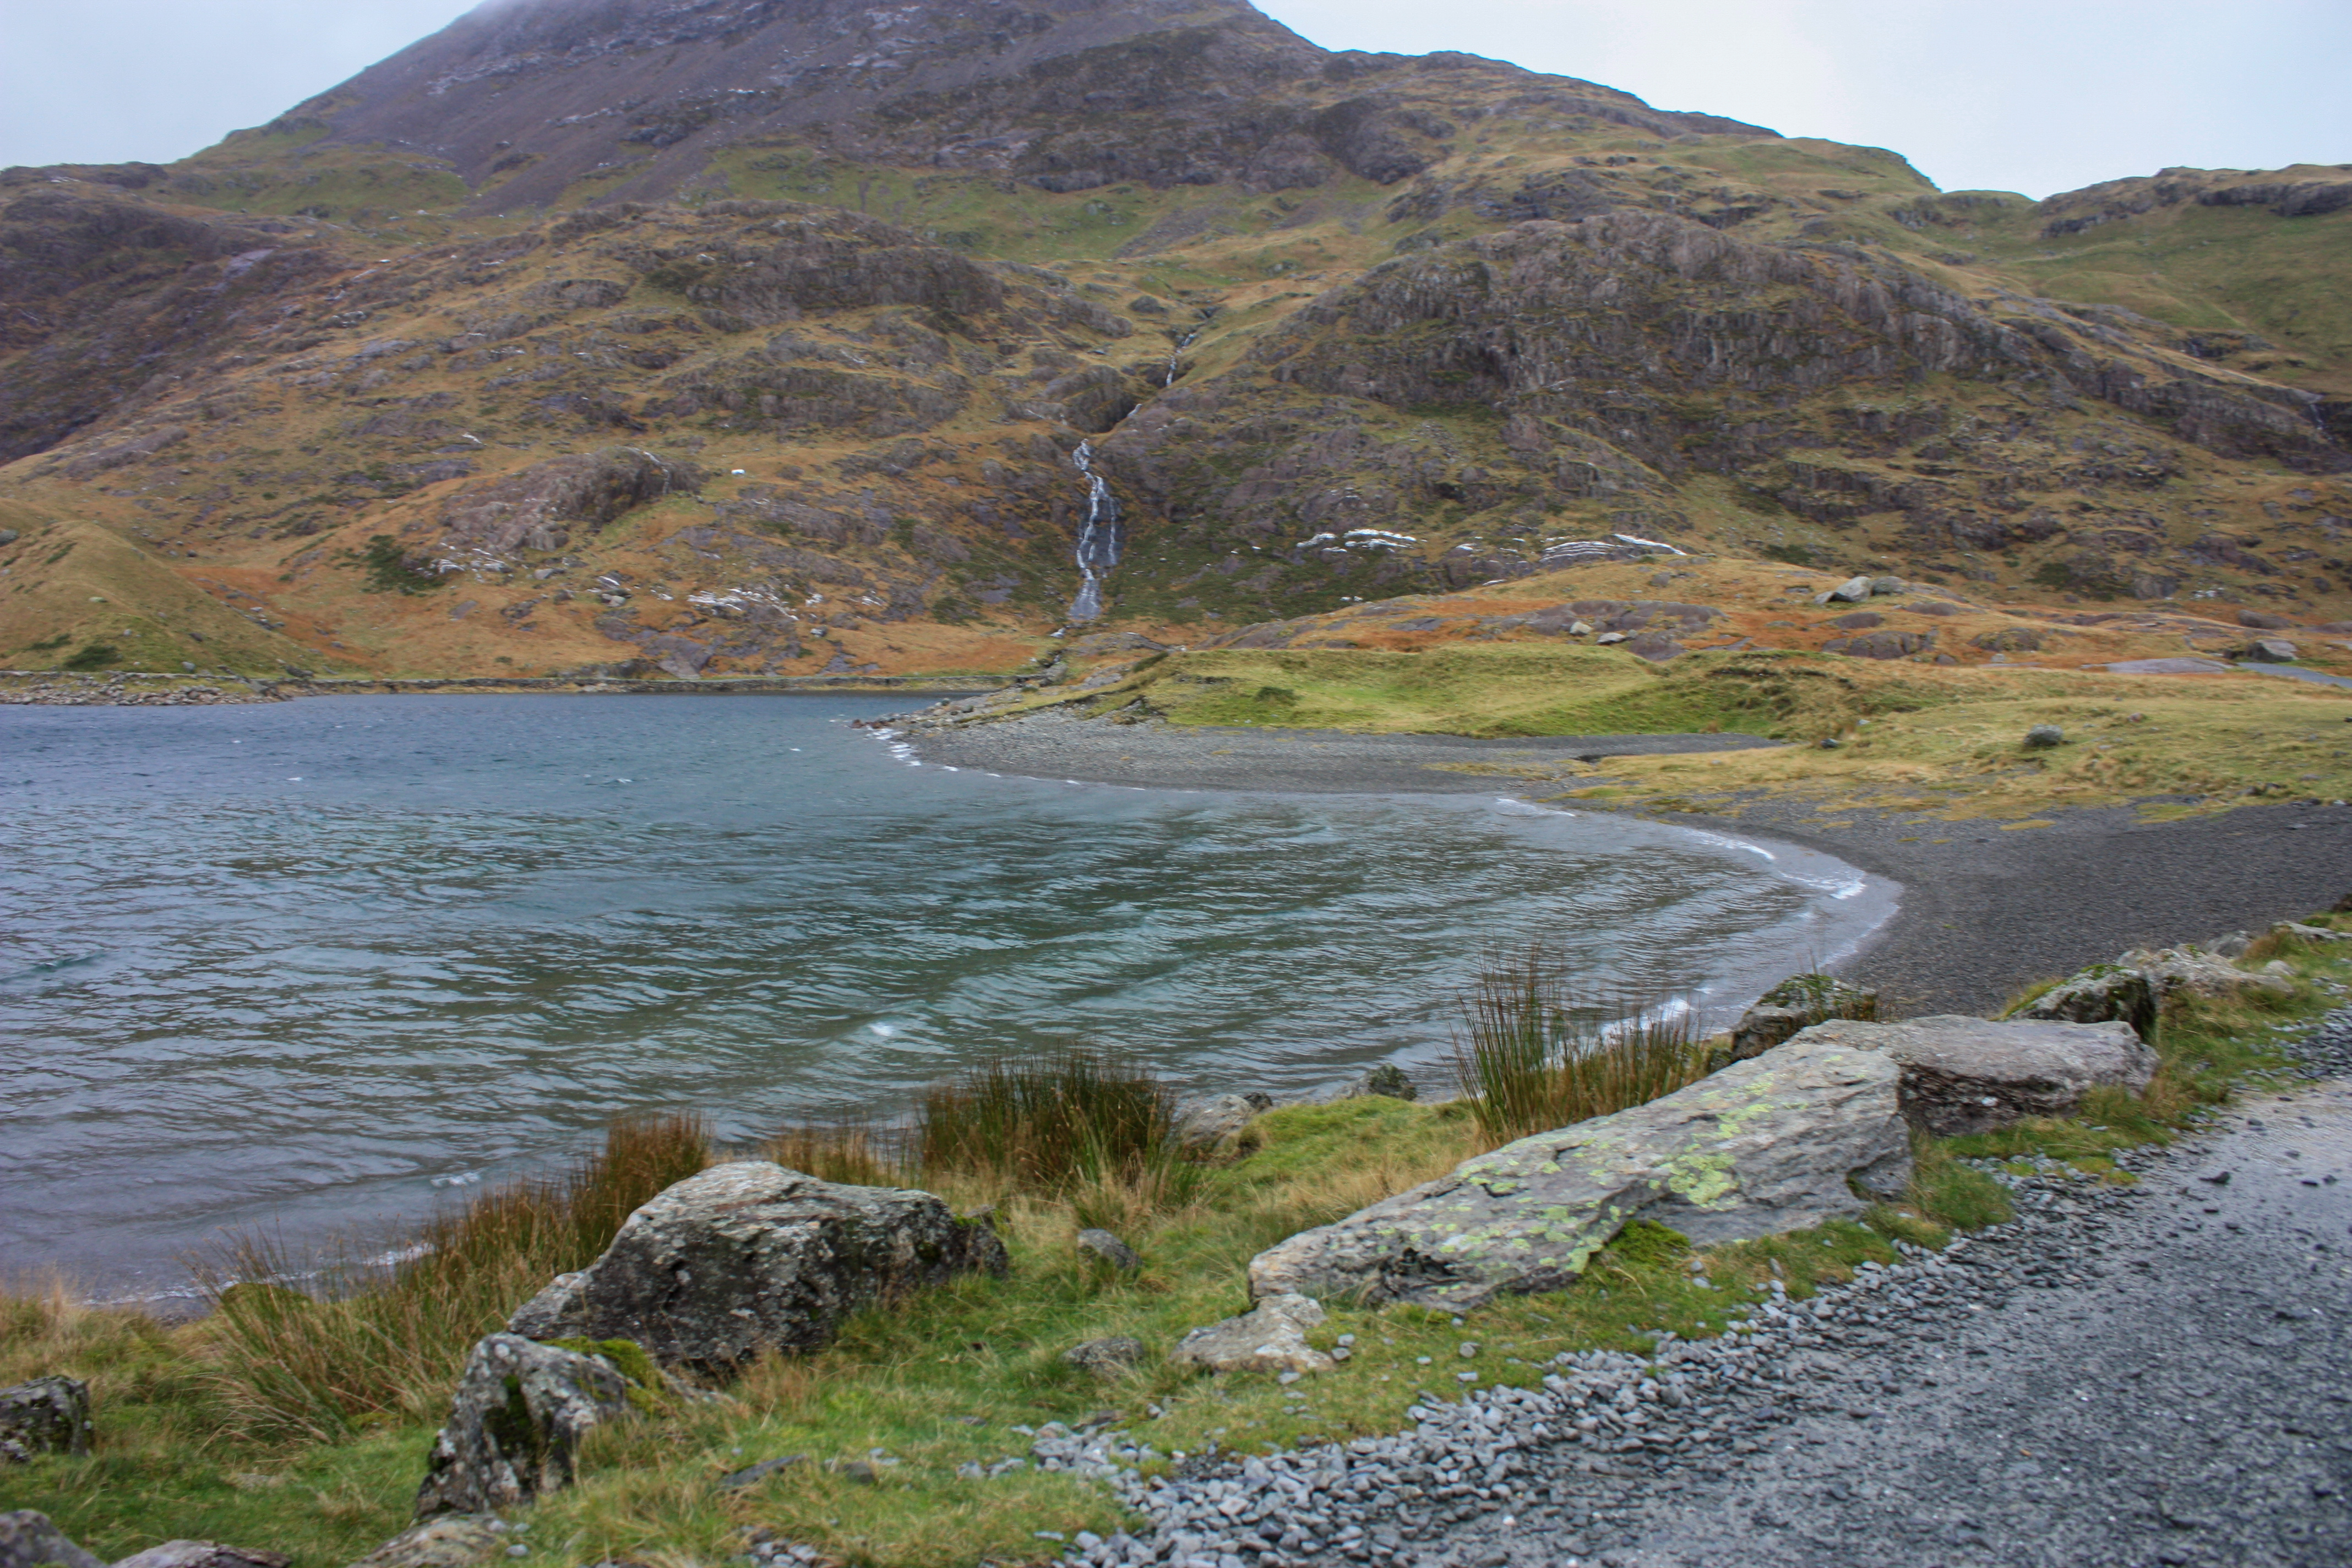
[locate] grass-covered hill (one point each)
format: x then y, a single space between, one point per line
763 341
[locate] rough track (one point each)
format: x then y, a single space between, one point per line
2158 1376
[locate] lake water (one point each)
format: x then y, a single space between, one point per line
313 966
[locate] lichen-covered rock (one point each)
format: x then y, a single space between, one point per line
2187 971
1269 1337
1762 1146
204 1554
47 1416
1797 1001
1107 1357
2102 992
748 1257
1209 1121
1964 1075
515 1425
29 1539
452 1541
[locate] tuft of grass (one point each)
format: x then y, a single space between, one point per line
1535 1051
382 1344
854 1153
1078 1118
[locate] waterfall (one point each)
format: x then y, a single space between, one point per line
1097 541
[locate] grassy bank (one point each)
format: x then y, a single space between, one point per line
195 1439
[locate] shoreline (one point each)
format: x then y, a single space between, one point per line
57 689
1982 909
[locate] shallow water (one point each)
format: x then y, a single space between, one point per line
314 965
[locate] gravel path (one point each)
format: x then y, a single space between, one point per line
2160 1375
1984 911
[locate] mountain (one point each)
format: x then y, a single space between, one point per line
772 336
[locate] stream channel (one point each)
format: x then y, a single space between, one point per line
313 967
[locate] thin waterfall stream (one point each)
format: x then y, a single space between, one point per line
1098 541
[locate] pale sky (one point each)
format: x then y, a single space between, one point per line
2027 95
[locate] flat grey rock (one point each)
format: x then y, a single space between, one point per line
1763 1146
748 1257
1961 1076
1269 1337
203 1555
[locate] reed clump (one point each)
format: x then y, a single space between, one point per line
382 1339
1536 1050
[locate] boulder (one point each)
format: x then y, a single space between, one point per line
1102 1243
748 1257
1797 1001
47 1416
2300 933
1852 591
1386 1081
1972 1074
2042 737
2187 972
2270 650
1108 1358
1762 1146
1269 1337
1889 585
203 1555
2101 994
29 1539
1207 1121
452 1541
516 1423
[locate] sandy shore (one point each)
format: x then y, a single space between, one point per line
1984 911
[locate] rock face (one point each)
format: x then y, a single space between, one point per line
29 1539
1797 1001
2186 971
748 1257
47 1416
2103 993
1762 1146
516 1423
1269 1337
1963 1075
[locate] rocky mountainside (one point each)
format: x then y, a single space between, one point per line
773 336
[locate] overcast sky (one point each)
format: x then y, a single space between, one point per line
2027 95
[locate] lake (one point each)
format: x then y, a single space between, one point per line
313 966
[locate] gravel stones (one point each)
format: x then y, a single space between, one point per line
1269 1337
1762 1146
47 1416
1962 1075
29 1539
516 1423
748 1256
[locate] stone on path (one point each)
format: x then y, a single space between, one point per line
748 1257
29 1539
47 1416
1269 1337
1762 1146
1964 1075
516 1423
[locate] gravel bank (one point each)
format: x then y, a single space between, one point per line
1984 912
2157 1375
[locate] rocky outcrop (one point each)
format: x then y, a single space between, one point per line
47 1416
750 1257
1270 1337
1765 1145
2191 972
1798 1003
516 1423
538 508
1963 1076
30 1540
